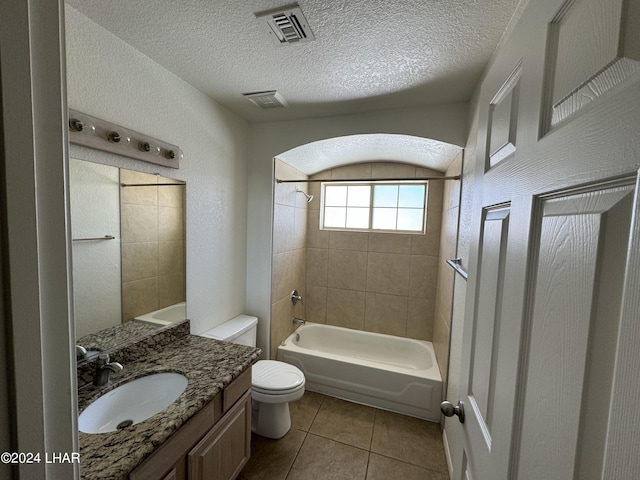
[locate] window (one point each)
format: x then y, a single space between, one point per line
383 206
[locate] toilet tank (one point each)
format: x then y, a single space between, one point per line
241 330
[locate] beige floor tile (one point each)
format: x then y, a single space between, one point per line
409 439
303 411
384 468
324 459
345 422
272 459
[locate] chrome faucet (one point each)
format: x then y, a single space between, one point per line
299 321
81 353
104 368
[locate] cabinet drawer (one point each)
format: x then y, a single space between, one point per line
236 389
223 451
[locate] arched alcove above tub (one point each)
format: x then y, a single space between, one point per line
326 154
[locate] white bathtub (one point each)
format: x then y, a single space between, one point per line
164 316
393 373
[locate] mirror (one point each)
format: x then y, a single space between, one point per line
128 231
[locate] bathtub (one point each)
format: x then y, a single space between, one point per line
383 371
164 316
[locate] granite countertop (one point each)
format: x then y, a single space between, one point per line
209 365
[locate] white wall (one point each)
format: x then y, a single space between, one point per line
447 123
109 79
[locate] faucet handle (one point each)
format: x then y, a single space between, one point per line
295 297
81 353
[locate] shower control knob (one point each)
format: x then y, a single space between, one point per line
448 409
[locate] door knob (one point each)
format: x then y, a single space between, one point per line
449 410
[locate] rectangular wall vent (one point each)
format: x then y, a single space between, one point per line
268 99
286 25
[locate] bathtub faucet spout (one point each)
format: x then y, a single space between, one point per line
299 321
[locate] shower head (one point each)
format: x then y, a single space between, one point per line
309 197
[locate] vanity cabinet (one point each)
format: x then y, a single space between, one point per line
213 445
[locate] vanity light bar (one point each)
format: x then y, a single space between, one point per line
102 135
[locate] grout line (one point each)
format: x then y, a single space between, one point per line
306 434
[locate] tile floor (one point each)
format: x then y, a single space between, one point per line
334 439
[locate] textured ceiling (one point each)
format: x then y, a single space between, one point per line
321 155
368 54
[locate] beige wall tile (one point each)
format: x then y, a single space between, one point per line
444 294
299 258
392 170
388 273
170 196
429 243
441 344
345 308
386 314
283 228
448 235
427 172
349 241
281 273
170 223
300 229
355 171
281 324
139 195
171 289
434 201
317 264
131 176
424 276
139 261
139 297
139 223
347 269
316 238
389 243
316 304
171 257
420 315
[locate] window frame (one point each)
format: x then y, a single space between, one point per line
373 184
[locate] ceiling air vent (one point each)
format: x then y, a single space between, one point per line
264 100
286 25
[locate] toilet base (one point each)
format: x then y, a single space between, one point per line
271 420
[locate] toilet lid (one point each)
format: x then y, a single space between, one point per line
274 376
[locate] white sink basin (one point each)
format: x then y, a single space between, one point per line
132 402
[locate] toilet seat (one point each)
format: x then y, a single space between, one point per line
276 378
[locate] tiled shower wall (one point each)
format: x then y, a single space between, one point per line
289 252
378 282
448 239
153 244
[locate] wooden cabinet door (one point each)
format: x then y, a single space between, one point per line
222 453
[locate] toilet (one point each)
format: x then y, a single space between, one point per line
273 384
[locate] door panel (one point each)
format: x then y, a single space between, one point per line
550 353
576 288
482 376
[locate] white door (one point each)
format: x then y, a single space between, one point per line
551 347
